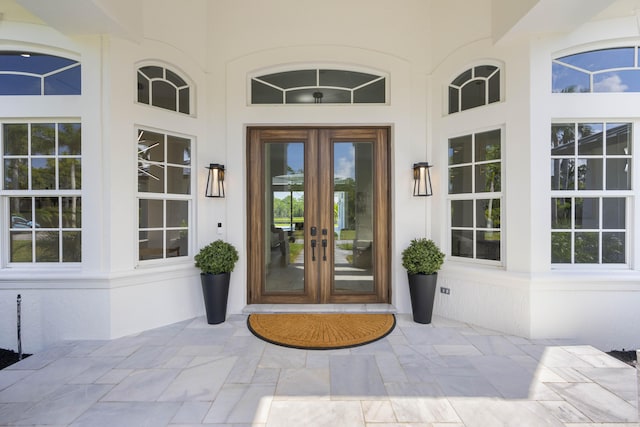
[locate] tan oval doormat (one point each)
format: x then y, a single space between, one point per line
320 331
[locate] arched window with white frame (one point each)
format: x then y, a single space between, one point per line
475 87
164 88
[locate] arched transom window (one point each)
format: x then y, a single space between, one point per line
163 88
318 86
30 73
604 70
475 87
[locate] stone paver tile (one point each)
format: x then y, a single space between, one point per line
315 413
142 386
303 383
191 413
127 414
492 412
355 377
378 411
565 412
424 409
199 383
241 403
599 404
64 405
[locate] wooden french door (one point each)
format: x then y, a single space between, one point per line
318 215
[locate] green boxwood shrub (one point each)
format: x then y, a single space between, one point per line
217 257
422 256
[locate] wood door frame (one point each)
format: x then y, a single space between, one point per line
316 287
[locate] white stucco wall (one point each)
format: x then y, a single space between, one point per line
596 304
217 45
528 295
242 41
109 294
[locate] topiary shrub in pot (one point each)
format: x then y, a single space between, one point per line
216 261
422 259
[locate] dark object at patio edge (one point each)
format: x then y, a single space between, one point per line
627 356
9 357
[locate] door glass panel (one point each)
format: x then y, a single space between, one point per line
353 219
284 217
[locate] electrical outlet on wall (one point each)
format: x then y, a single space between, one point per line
445 291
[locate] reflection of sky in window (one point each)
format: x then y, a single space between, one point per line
604 59
565 78
34 63
56 82
617 81
344 160
295 157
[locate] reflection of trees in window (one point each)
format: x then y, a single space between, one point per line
475 87
601 158
348 187
589 226
475 185
43 157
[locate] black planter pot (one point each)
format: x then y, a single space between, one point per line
215 290
422 288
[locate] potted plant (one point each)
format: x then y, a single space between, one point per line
422 259
216 262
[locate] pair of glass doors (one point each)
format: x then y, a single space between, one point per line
318 215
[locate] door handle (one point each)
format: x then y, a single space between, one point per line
324 249
324 245
313 249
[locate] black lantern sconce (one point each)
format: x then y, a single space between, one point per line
215 180
422 179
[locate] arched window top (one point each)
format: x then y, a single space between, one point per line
319 86
475 87
31 73
160 87
602 70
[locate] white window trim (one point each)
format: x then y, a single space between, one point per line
501 195
630 206
175 69
191 198
6 194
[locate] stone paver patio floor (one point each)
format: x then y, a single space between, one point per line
445 374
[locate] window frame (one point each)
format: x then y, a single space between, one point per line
589 74
600 194
256 76
474 196
471 69
33 194
42 77
189 86
164 197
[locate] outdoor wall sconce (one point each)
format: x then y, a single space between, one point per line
215 180
422 179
